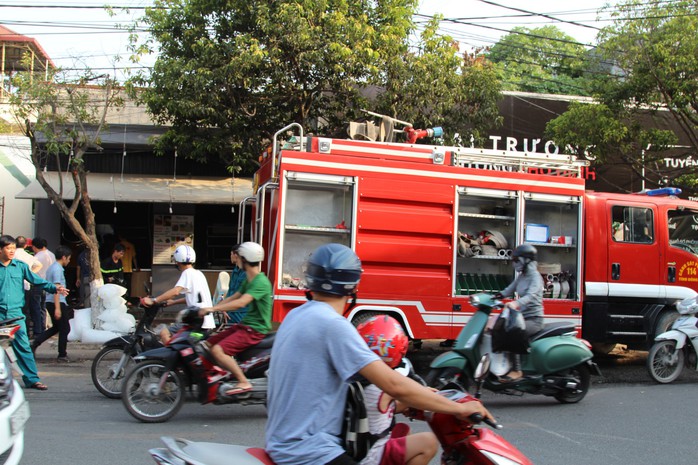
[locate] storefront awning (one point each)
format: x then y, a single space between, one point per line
143 188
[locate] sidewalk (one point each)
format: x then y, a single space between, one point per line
78 353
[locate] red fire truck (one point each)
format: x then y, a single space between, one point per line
434 224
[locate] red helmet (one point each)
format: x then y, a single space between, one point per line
385 337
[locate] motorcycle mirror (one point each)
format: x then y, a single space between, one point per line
482 368
480 372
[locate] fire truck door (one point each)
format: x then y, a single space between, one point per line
634 251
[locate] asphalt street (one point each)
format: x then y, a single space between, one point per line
625 419
620 366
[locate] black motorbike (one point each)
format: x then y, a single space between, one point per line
116 357
155 388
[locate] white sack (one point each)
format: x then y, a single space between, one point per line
109 291
114 302
96 336
81 320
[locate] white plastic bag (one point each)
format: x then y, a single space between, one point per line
96 336
109 291
114 302
82 319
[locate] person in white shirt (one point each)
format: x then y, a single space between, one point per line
37 301
192 283
35 265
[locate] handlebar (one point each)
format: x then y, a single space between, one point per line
476 418
10 321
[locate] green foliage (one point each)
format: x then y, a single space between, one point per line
543 60
649 63
230 73
655 49
63 117
597 133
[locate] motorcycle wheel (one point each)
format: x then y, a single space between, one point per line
140 396
446 378
665 362
583 377
103 370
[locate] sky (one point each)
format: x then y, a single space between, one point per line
79 33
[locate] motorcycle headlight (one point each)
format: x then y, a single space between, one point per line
6 384
5 368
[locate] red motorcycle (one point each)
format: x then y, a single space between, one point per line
155 388
463 442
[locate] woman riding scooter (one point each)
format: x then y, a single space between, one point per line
528 286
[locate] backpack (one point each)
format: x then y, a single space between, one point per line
356 436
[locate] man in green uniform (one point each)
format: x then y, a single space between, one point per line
12 275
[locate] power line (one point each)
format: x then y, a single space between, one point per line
543 15
83 7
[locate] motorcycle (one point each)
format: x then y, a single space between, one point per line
116 357
14 410
558 364
462 442
155 388
678 347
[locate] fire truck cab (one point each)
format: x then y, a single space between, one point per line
640 259
434 224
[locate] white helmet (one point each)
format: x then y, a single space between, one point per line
251 251
184 254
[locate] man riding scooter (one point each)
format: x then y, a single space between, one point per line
255 293
528 286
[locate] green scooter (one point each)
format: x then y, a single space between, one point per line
558 364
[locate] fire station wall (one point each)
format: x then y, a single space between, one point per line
405 236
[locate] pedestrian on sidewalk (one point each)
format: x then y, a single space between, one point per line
37 304
34 265
58 310
83 278
12 274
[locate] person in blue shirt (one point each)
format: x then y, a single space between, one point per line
12 274
316 353
237 276
57 307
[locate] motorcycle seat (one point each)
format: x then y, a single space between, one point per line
554 329
267 342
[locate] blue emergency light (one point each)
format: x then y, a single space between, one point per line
663 191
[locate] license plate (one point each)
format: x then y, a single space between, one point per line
19 418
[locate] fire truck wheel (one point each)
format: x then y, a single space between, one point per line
664 322
361 317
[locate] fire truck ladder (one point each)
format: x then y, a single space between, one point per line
272 185
517 161
242 218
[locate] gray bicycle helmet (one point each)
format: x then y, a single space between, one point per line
333 269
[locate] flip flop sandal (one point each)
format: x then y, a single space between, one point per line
237 391
39 386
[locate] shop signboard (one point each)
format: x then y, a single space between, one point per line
169 231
